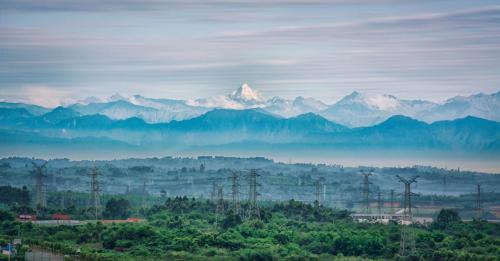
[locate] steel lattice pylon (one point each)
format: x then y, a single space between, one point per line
235 197
94 203
407 240
366 191
479 207
253 210
220 203
40 195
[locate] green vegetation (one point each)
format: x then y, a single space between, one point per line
187 229
117 208
11 195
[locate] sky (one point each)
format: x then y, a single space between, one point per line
54 51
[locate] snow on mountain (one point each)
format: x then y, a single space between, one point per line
246 95
247 98
150 111
377 102
357 109
290 108
223 102
89 100
354 110
481 105
242 98
117 97
171 109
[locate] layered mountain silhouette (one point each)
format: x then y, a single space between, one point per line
354 110
228 126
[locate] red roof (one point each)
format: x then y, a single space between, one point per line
61 216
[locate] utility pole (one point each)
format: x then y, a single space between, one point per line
235 196
479 208
94 203
407 241
366 191
253 210
40 196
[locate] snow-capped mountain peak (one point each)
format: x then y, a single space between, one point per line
383 102
247 94
354 110
242 98
377 101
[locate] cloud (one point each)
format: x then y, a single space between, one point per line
313 53
40 95
477 17
148 5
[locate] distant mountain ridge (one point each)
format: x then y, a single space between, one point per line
227 126
354 110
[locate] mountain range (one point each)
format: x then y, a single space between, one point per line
354 110
229 126
246 121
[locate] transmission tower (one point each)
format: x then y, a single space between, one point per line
40 195
479 208
407 241
213 195
323 190
44 196
320 191
144 195
253 210
392 201
94 203
444 184
63 192
235 197
366 191
317 185
220 202
379 203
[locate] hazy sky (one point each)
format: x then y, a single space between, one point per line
427 49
